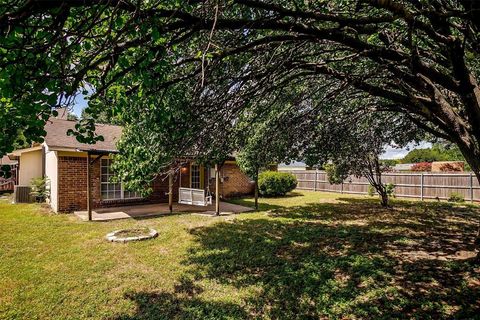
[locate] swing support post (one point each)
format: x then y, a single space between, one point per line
170 191
217 190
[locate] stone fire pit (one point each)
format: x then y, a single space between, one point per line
133 234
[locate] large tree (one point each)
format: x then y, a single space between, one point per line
421 56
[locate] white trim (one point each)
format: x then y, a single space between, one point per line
122 188
19 152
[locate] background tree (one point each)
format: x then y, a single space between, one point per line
440 151
422 155
390 163
264 146
351 144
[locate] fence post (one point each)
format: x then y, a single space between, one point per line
471 187
315 181
341 191
421 185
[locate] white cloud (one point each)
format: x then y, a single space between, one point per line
395 153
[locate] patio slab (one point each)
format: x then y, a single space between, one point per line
158 209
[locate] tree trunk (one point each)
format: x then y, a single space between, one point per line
374 176
477 244
384 198
472 156
256 192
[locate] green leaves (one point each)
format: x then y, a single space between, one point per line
85 131
5 171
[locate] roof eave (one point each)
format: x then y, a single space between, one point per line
97 151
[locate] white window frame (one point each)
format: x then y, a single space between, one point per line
122 189
192 176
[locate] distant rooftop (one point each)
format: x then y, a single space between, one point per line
403 166
293 164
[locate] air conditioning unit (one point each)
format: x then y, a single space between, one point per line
22 195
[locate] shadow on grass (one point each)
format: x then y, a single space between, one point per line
347 260
164 305
262 206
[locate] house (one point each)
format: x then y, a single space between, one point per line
6 164
448 166
63 160
293 166
399 167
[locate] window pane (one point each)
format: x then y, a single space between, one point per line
110 190
195 176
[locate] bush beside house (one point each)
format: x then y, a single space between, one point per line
273 184
40 189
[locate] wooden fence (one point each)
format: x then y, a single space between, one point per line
410 185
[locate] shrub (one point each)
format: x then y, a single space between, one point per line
422 166
389 162
335 174
272 184
5 171
456 197
371 190
390 189
40 189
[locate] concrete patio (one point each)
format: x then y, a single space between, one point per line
158 209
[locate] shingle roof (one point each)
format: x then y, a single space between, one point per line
57 136
5 160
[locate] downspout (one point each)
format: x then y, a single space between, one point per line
89 189
44 161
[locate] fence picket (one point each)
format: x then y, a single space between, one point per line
411 185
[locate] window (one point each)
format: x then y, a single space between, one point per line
109 189
195 176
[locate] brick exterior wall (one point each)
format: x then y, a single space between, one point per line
72 185
234 183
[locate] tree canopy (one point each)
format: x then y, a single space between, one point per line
440 151
420 58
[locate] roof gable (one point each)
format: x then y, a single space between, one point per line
57 136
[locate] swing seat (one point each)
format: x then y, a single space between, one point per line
195 197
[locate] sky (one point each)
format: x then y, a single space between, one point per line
394 153
390 152
80 104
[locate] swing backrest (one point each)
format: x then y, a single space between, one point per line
193 197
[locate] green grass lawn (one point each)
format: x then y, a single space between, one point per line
308 255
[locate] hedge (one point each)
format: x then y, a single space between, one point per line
273 184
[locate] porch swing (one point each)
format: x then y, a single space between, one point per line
193 196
